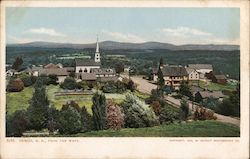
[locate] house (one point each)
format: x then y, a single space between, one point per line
206 94
221 79
192 74
104 74
61 73
85 65
173 75
10 72
195 89
202 69
90 77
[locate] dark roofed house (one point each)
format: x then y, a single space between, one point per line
173 75
61 73
105 74
202 69
221 79
86 76
215 94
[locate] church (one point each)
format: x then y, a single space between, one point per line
91 70
85 65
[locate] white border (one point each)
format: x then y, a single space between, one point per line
133 147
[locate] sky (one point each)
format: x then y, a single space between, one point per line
82 25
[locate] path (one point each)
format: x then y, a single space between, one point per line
146 87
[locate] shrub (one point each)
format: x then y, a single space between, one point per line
211 103
99 111
109 87
156 107
137 113
156 95
120 87
71 104
203 114
131 86
87 120
16 124
26 79
52 79
69 83
184 110
198 98
70 121
115 118
185 90
15 85
167 115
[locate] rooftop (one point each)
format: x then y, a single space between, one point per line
102 71
55 71
200 66
174 71
86 62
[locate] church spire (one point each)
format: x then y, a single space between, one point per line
97 53
97 46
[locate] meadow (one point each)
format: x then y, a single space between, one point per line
20 100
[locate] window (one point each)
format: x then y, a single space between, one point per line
85 70
80 70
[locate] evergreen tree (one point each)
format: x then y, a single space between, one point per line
18 62
38 108
184 110
160 81
99 111
161 61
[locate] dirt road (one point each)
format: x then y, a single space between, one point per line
146 87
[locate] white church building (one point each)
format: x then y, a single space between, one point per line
85 65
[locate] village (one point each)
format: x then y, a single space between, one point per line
196 84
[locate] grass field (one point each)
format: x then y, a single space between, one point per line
20 100
216 87
192 129
207 128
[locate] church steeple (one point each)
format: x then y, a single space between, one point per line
97 53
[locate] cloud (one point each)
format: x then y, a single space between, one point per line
124 37
185 31
45 31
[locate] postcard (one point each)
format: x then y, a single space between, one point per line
124 79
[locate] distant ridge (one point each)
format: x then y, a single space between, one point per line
112 45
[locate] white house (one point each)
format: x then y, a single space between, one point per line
192 74
202 69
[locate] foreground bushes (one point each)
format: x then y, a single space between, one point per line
69 121
137 113
204 114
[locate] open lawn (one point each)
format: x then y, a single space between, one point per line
217 87
207 128
20 100
191 129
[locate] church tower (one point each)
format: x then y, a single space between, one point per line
97 53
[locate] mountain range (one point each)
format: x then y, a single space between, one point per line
113 45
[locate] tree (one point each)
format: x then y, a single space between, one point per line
86 119
131 86
99 111
184 110
137 113
15 85
109 87
198 97
156 107
185 90
53 115
69 83
161 62
160 79
26 79
52 79
70 121
119 67
71 104
18 62
38 108
115 117
16 124
72 74
167 115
